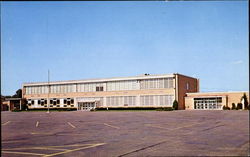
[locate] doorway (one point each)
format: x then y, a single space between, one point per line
86 106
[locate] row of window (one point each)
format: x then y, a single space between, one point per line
53 101
156 83
109 86
208 100
121 101
157 100
207 106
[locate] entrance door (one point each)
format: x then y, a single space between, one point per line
86 106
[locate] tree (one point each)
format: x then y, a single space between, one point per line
245 101
18 94
239 106
175 105
233 106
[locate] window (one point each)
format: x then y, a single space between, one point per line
99 88
54 101
65 101
45 101
187 86
51 101
32 102
72 101
38 101
58 101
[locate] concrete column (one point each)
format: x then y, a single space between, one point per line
104 101
137 100
20 104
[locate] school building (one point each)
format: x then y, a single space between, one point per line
137 91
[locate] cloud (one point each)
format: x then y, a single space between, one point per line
237 62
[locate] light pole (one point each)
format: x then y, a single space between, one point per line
48 102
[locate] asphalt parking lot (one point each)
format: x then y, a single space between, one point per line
130 133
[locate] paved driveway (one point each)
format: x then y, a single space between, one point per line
142 133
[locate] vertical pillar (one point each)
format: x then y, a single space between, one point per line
104 101
137 100
20 103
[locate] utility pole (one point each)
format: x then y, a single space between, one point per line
48 102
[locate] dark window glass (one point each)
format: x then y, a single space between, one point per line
101 88
97 88
45 101
54 102
32 102
39 101
42 103
51 101
72 101
65 101
68 102
58 101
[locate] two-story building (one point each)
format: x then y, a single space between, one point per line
137 91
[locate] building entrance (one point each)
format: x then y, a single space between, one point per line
86 106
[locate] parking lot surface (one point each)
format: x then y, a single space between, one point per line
125 133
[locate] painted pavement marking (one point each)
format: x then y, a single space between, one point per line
112 126
62 149
37 123
155 126
6 123
71 125
43 148
23 153
72 150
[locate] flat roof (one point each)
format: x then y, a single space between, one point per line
100 80
214 93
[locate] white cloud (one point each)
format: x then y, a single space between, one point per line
237 62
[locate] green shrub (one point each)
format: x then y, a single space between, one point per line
239 106
244 98
175 105
233 106
226 108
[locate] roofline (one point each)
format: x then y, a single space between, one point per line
200 93
99 80
186 76
7 99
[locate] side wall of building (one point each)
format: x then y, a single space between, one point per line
185 85
235 98
227 98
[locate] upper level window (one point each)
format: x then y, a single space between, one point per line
99 88
187 86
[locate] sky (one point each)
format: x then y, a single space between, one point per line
85 40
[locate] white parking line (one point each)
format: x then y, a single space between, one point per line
6 123
111 126
71 125
37 123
